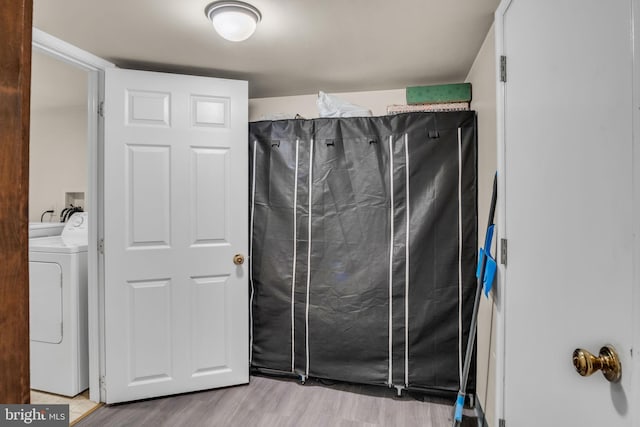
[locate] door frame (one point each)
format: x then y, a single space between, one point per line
500 211
501 287
95 67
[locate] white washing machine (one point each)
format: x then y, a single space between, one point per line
58 310
44 229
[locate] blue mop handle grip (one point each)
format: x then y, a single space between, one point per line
459 405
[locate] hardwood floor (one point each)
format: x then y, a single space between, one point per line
275 402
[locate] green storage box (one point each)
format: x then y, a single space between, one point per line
437 94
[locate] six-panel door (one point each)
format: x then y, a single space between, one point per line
176 188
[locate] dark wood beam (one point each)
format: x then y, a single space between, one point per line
15 89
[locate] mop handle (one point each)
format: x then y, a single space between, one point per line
457 416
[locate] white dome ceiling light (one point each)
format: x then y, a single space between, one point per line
233 20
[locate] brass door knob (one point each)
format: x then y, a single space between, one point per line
608 361
238 259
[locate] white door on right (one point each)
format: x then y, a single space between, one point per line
568 221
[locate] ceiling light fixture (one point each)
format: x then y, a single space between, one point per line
234 20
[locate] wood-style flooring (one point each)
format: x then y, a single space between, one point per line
276 402
79 406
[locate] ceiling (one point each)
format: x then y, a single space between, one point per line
300 47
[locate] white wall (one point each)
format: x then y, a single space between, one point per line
482 77
57 158
305 105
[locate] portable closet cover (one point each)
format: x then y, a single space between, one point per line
363 248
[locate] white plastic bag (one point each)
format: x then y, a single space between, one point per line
332 106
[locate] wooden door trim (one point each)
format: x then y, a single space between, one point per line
15 91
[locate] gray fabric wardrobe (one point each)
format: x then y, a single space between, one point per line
363 248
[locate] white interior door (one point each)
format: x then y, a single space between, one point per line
567 208
175 191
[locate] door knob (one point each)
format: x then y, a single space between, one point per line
607 361
238 259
